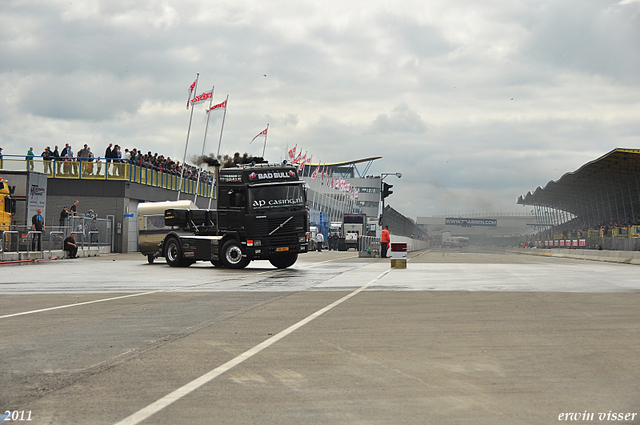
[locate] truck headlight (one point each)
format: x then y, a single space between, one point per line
302 239
257 243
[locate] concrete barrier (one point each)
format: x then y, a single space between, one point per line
412 244
626 257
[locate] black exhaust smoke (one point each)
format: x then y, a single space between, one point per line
227 161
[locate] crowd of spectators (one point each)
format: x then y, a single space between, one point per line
115 154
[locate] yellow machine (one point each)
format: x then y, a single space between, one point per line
7 206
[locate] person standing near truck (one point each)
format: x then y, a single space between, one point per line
320 239
385 239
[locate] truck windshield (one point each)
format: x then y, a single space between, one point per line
268 197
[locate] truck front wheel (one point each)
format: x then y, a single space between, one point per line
232 256
285 260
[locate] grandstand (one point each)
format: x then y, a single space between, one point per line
596 206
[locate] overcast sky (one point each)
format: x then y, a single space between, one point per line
474 102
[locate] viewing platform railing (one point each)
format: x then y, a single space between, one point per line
102 169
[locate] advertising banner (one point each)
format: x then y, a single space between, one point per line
467 222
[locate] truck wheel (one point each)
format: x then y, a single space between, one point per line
172 253
232 255
284 261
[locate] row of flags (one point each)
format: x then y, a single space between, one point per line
322 171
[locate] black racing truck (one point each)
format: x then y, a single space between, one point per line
261 214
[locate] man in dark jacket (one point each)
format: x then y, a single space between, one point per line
71 246
37 225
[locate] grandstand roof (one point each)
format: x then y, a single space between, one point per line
345 168
354 161
609 184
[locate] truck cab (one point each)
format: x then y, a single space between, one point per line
261 215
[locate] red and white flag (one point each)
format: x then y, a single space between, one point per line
191 88
302 161
262 133
202 97
292 152
222 105
315 173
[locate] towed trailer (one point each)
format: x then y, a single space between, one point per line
151 226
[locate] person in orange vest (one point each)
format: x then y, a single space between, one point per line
385 238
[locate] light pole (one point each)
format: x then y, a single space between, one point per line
385 191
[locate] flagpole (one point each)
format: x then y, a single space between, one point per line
265 140
215 180
222 128
195 90
206 128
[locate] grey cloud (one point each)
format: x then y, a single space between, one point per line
401 120
591 36
288 120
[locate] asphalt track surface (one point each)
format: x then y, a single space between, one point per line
456 338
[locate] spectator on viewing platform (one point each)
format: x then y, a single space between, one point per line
56 158
98 165
83 157
74 208
29 158
116 155
72 165
108 153
83 153
47 157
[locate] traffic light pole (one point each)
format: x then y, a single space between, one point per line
384 192
381 219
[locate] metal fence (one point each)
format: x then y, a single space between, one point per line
90 233
368 243
400 225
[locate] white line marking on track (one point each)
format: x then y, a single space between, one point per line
185 390
42 310
78 304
